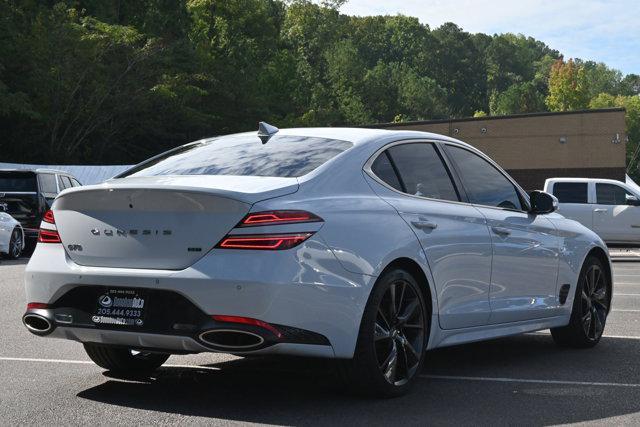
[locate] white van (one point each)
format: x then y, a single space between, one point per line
608 207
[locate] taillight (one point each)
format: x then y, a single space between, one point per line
273 242
45 235
278 217
48 217
48 236
247 321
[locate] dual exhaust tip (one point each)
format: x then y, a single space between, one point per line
232 339
228 339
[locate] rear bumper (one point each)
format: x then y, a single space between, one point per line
303 289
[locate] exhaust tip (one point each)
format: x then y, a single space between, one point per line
37 324
231 339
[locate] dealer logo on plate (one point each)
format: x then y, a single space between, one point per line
105 301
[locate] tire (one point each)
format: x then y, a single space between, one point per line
390 349
15 245
124 360
590 308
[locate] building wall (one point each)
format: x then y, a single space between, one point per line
533 147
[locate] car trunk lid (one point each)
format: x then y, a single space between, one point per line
156 222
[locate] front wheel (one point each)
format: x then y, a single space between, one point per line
124 360
590 308
392 339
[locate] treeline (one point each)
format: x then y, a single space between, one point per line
114 81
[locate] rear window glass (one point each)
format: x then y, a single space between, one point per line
18 182
571 192
384 170
282 156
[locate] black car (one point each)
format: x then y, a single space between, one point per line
28 194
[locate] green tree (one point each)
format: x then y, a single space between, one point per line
567 87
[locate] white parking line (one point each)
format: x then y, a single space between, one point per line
616 294
625 311
527 380
88 362
626 337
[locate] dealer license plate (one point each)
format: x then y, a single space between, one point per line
120 307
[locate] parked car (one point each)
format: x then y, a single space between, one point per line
366 246
610 208
28 194
12 241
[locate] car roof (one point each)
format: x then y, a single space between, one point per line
357 136
582 180
38 170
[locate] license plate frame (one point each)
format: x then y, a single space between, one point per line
121 307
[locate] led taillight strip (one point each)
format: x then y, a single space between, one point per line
278 217
48 236
268 242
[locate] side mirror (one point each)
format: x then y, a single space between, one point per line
632 200
542 203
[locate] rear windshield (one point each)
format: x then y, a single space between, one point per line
18 182
282 156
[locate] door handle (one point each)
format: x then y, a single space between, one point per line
424 225
600 210
501 231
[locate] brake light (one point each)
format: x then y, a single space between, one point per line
278 217
48 217
269 242
48 236
247 321
36 305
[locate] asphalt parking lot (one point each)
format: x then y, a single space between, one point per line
519 380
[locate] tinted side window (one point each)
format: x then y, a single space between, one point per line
67 182
485 184
61 183
384 170
571 192
611 194
422 172
75 182
48 183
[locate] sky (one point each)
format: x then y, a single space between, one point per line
603 31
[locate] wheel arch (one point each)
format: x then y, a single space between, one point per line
418 273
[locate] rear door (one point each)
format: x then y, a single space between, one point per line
524 269
573 201
613 219
453 235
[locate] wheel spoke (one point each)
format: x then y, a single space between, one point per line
408 312
401 299
384 318
586 322
389 366
597 325
412 350
392 301
592 280
381 333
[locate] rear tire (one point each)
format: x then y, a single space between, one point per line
124 360
392 340
590 308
